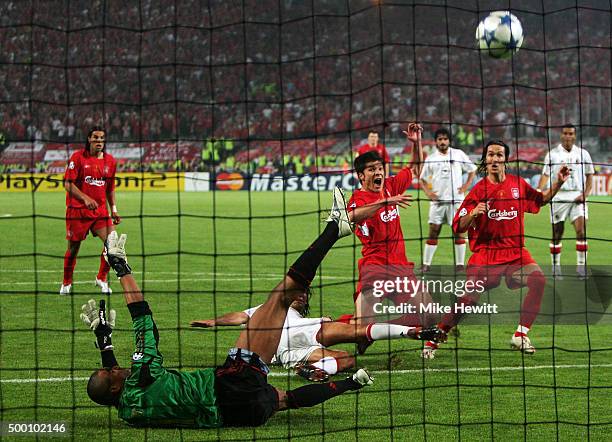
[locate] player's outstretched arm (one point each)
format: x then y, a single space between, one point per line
233 318
102 325
117 259
361 213
562 177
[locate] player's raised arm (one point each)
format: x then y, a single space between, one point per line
414 134
233 318
117 259
102 325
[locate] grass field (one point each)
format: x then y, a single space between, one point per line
200 253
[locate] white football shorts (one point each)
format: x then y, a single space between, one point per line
302 342
442 213
561 211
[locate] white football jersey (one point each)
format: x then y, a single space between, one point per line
445 173
577 159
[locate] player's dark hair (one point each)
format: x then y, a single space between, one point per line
482 166
89 134
372 132
99 389
442 131
360 162
568 126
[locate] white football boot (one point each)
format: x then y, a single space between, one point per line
339 214
522 343
104 288
65 289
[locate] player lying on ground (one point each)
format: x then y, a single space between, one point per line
236 394
304 341
90 185
493 215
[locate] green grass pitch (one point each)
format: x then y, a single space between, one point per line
197 253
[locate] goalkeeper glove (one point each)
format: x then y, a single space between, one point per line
433 334
114 253
95 318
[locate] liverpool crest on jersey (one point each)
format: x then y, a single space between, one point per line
515 193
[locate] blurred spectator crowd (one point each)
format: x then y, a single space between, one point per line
247 72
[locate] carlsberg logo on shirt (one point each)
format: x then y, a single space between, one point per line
94 181
499 215
387 216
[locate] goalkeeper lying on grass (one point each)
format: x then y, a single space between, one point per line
236 394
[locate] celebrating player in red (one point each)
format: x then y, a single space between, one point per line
492 214
90 185
375 211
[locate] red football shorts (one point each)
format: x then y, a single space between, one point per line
80 221
491 265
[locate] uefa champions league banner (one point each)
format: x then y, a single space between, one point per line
278 183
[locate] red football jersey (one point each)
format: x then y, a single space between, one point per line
381 235
502 227
380 148
93 176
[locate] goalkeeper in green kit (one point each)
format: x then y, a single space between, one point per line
235 394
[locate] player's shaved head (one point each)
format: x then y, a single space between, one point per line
99 387
105 385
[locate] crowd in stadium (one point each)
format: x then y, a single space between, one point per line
303 79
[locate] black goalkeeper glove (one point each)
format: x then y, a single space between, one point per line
114 253
433 334
95 318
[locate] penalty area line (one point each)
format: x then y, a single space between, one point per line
277 374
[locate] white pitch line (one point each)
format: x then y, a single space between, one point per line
149 281
214 274
375 372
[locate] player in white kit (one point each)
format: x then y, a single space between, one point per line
570 202
304 341
442 182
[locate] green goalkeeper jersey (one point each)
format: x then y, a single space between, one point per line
154 396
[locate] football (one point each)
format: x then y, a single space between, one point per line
500 34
